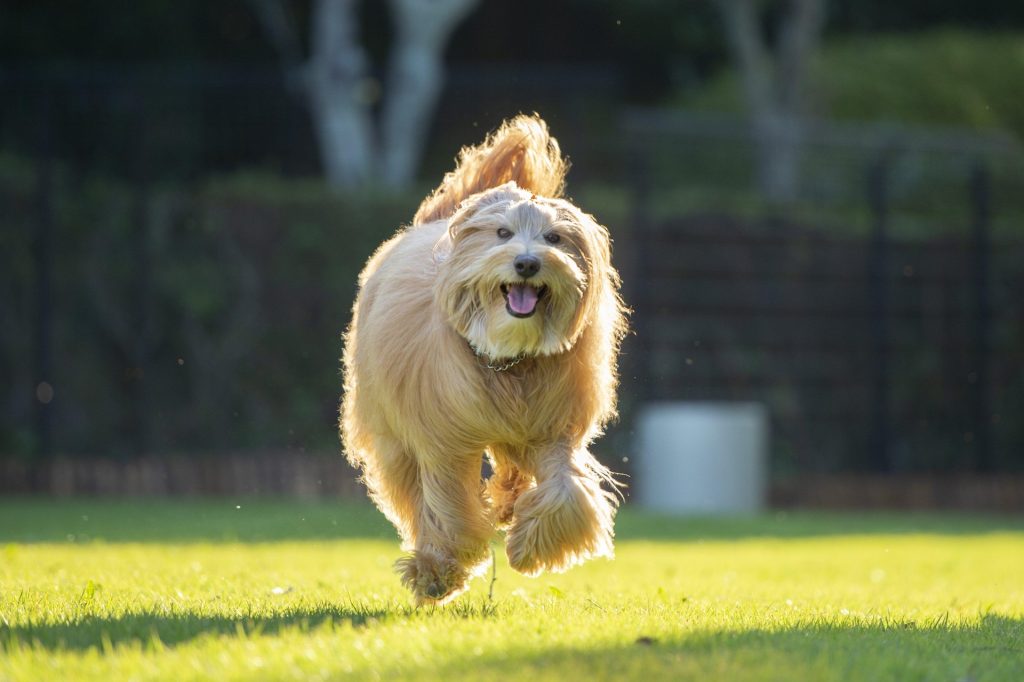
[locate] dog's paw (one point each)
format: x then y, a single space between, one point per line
433 577
522 549
559 524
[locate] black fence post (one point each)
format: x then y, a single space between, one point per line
141 300
981 205
637 287
42 256
878 456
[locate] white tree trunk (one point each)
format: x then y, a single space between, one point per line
779 139
336 82
336 77
414 81
775 92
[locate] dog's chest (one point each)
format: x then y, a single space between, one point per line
521 408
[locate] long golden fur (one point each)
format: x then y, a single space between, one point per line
456 348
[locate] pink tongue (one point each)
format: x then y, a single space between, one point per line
522 298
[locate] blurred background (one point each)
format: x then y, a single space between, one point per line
816 208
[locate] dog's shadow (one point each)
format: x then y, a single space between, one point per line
148 628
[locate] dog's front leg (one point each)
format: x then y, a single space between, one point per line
453 529
505 485
567 518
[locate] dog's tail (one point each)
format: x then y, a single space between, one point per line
520 151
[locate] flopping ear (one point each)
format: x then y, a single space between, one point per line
600 301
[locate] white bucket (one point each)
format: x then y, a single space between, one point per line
702 458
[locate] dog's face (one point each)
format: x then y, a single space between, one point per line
520 274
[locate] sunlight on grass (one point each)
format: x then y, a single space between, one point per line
198 591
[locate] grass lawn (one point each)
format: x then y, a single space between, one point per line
250 589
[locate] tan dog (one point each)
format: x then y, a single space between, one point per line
492 324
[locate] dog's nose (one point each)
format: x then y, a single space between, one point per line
526 266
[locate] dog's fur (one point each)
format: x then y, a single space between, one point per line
427 390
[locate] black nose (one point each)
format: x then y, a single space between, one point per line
526 266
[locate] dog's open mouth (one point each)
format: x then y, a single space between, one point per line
521 299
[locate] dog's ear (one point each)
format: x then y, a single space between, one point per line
601 300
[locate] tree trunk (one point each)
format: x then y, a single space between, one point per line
337 83
413 86
336 78
775 93
414 81
779 140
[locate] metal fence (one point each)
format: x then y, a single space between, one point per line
880 321
881 338
144 312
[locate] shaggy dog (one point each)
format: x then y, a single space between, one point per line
490 325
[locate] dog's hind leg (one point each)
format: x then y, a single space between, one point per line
567 518
505 486
452 530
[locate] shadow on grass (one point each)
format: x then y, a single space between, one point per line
144 628
172 629
992 649
275 520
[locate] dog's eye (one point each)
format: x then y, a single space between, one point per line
552 237
504 233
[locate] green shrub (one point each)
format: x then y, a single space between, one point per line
187 318
947 77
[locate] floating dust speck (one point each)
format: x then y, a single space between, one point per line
44 392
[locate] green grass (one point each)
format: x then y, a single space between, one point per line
245 589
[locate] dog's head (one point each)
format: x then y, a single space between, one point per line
524 275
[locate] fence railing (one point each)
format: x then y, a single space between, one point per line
873 354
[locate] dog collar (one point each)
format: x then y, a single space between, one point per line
497 367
